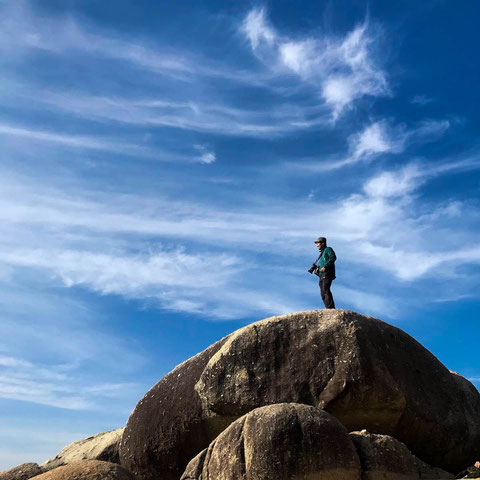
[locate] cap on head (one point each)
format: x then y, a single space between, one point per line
321 240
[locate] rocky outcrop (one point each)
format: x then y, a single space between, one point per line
169 426
22 472
102 446
383 457
466 400
279 442
368 374
289 440
87 470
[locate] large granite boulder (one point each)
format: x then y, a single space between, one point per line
102 446
368 374
87 470
169 426
279 442
21 472
384 458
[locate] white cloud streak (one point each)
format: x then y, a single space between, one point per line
208 117
139 276
90 241
256 28
22 32
343 69
75 141
373 140
380 138
379 228
50 385
367 302
206 156
21 29
394 184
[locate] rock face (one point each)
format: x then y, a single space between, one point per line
169 426
279 442
22 472
368 374
103 446
87 470
384 457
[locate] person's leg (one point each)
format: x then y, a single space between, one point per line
325 292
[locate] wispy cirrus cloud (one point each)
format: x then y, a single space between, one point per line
394 184
427 131
134 276
62 34
344 69
52 385
22 32
207 156
339 70
114 145
256 28
380 138
373 140
75 141
106 245
366 301
384 137
211 117
63 363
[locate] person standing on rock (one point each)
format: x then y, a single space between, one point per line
324 267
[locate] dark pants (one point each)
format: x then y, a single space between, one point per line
325 292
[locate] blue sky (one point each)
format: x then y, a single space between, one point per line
166 167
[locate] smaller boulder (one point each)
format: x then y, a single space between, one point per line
384 457
22 472
102 446
279 442
87 470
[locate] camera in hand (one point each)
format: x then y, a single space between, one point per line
314 269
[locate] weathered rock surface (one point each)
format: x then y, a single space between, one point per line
102 446
384 458
169 426
279 442
368 374
87 470
22 472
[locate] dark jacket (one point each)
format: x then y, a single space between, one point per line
326 259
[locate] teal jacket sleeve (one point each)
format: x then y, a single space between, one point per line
328 257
